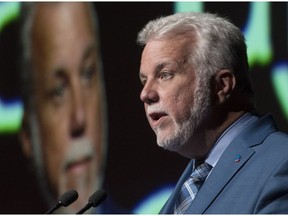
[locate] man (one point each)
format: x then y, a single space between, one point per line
198 100
64 101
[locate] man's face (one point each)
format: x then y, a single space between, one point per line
67 99
175 104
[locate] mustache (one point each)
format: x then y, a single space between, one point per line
155 108
79 149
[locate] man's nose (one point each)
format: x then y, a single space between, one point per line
78 115
149 93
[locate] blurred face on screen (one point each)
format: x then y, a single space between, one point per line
66 127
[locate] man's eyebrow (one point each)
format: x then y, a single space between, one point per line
89 51
157 69
161 65
59 73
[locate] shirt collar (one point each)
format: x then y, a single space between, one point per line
227 136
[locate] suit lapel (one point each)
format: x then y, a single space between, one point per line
232 160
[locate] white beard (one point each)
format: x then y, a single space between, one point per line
186 129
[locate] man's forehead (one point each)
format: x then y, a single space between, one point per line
53 15
161 54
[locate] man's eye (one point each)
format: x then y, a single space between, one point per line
88 74
143 81
165 75
58 91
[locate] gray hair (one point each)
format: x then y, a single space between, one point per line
215 44
26 18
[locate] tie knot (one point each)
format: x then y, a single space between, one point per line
201 171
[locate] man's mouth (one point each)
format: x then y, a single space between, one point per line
78 166
157 116
79 156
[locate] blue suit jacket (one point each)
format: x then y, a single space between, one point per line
254 182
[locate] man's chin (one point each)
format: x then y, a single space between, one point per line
171 144
174 141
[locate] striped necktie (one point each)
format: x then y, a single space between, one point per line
190 188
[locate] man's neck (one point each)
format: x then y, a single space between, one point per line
204 140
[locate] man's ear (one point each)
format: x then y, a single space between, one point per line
224 83
25 136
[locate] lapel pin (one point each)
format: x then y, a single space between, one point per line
238 158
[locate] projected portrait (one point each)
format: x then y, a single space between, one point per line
64 118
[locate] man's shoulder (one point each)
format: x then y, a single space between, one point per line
278 141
